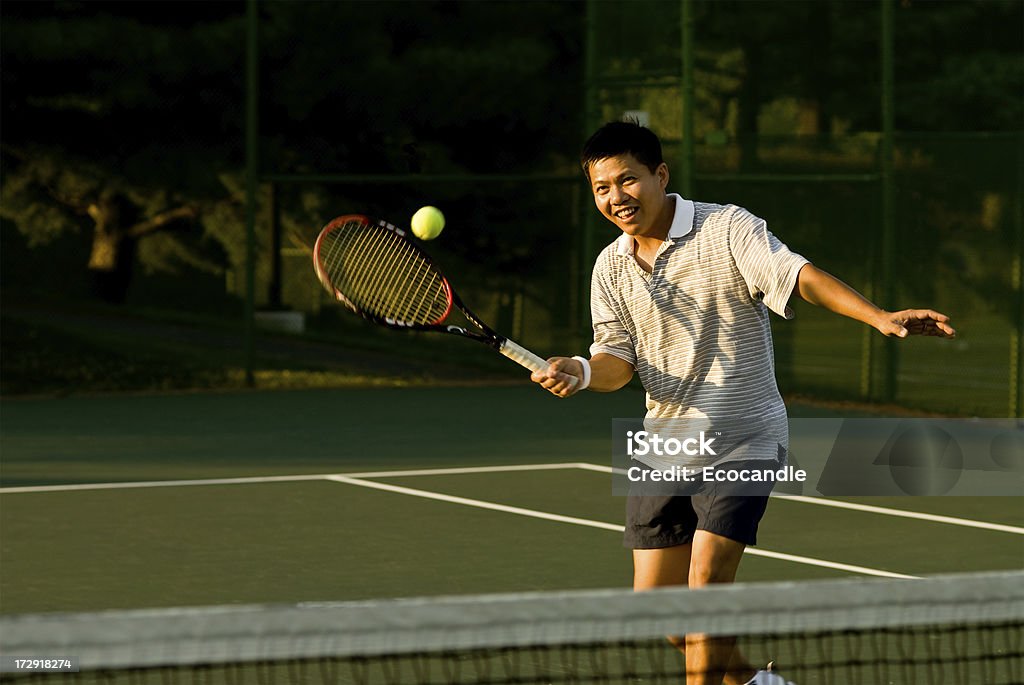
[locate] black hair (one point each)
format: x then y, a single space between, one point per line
619 138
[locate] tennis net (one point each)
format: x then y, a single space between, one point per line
945 629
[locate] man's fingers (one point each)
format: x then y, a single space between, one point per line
931 328
561 384
920 322
923 314
562 377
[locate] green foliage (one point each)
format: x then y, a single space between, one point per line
23 201
105 100
145 100
958 63
429 87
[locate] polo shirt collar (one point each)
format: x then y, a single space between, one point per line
682 223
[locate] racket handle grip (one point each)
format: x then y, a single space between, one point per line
522 356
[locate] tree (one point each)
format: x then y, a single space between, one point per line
44 201
105 128
135 111
827 55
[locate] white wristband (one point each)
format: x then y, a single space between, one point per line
585 383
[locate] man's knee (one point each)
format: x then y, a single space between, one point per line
708 573
714 559
660 567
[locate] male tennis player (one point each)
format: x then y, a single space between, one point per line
682 298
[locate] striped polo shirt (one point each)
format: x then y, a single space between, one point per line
696 329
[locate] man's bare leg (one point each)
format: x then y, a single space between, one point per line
709 559
711 661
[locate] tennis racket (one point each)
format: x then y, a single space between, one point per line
373 268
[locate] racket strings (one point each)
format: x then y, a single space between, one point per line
421 275
383 275
377 277
404 277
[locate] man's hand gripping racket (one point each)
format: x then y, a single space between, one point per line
374 269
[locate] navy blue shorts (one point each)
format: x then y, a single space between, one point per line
655 518
654 521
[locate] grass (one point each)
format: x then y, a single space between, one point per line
36 358
61 350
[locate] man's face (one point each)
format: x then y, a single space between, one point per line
629 195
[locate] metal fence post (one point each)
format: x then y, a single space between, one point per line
251 171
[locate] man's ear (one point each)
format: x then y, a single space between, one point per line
662 174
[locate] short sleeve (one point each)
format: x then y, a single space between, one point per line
610 334
769 267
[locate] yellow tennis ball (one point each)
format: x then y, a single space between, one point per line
427 223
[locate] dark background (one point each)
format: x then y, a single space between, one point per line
123 174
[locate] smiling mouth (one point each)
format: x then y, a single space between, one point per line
626 213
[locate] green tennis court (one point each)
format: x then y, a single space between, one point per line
145 501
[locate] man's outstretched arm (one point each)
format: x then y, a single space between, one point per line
825 290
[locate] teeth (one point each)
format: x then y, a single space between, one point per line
626 213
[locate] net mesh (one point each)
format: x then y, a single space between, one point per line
957 629
379 273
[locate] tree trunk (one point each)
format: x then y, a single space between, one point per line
112 257
105 245
114 239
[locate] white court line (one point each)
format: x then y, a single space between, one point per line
853 506
902 513
968 523
532 513
811 561
465 470
494 506
869 508
352 479
71 487
158 484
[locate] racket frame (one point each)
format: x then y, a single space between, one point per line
486 335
